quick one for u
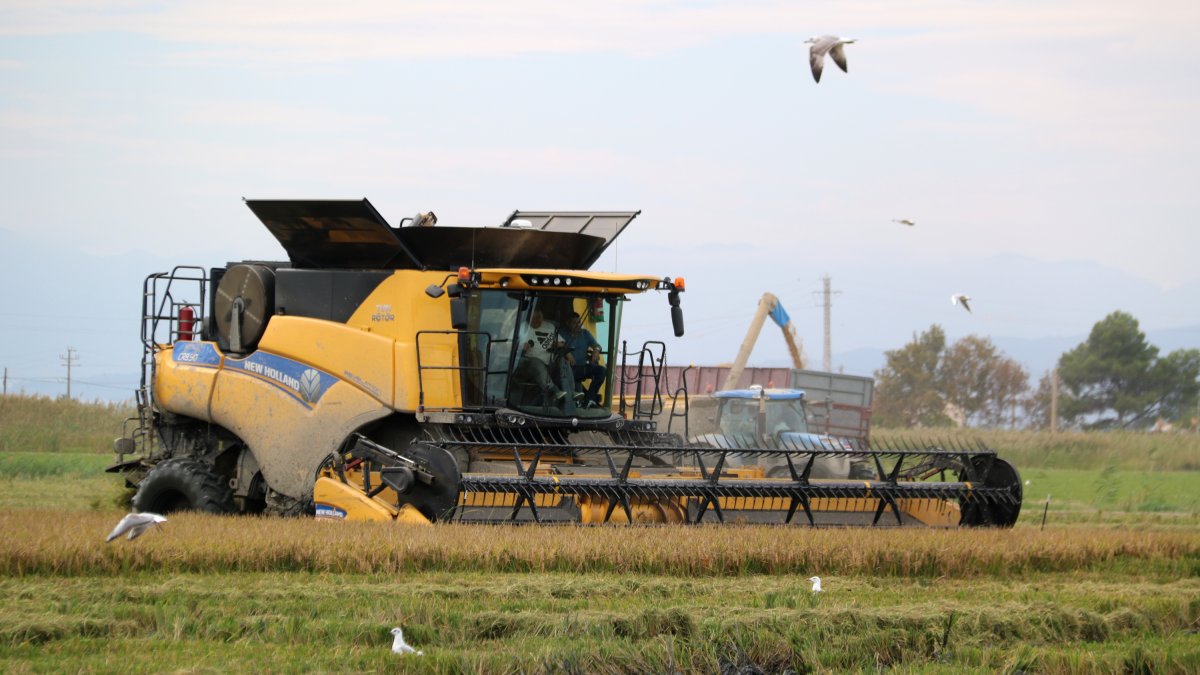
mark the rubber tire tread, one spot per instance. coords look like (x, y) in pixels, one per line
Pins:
(203, 488)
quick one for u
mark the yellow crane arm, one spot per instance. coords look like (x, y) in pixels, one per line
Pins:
(768, 305)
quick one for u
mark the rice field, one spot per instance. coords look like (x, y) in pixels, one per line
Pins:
(1111, 584)
(196, 543)
(206, 592)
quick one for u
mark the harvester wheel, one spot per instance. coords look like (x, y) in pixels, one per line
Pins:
(994, 514)
(183, 484)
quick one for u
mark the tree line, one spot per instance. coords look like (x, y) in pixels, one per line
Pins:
(1113, 379)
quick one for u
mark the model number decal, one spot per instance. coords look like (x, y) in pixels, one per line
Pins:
(383, 314)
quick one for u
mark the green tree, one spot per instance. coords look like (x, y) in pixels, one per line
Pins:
(1177, 377)
(1116, 378)
(907, 391)
(1007, 387)
(979, 380)
(1037, 404)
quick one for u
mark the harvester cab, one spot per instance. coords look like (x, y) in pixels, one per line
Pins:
(429, 373)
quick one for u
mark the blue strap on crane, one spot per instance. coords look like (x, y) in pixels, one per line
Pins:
(780, 316)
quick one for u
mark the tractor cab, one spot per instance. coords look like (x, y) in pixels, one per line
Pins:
(762, 413)
(777, 418)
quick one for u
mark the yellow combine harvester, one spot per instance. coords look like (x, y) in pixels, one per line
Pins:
(427, 373)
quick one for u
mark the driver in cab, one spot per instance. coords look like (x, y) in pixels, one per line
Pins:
(540, 344)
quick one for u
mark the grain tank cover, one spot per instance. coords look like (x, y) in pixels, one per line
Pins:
(607, 225)
(351, 234)
(333, 233)
(448, 248)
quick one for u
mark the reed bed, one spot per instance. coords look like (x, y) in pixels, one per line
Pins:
(42, 424)
(48, 543)
(1120, 450)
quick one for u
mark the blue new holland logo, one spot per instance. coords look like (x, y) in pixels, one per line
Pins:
(330, 511)
(304, 382)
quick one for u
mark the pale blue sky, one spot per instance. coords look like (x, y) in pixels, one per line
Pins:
(1045, 137)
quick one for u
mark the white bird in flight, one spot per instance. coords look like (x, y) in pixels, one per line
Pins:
(903, 221)
(826, 44)
(135, 524)
(960, 299)
(816, 582)
(399, 646)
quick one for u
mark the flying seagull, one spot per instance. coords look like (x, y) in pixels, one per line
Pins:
(826, 44)
(960, 299)
(816, 582)
(399, 646)
(135, 524)
(903, 221)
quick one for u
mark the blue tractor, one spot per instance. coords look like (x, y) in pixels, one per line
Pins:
(778, 418)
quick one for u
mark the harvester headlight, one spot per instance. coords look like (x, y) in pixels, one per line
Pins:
(567, 281)
(557, 281)
(545, 281)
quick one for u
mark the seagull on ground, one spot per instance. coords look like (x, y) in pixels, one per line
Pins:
(903, 221)
(960, 299)
(399, 646)
(816, 582)
(135, 524)
(826, 44)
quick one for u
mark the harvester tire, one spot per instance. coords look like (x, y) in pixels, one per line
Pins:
(184, 484)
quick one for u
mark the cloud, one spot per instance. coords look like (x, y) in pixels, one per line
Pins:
(313, 32)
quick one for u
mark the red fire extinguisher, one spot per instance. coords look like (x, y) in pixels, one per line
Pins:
(187, 323)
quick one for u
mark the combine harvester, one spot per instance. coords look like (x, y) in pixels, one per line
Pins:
(387, 374)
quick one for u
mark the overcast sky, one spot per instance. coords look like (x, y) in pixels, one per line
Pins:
(1059, 135)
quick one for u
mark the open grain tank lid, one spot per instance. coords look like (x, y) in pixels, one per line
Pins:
(333, 233)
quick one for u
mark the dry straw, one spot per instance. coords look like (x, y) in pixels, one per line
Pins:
(52, 543)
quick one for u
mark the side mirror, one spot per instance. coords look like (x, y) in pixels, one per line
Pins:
(676, 313)
(458, 313)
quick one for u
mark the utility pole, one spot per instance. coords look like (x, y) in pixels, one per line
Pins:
(69, 360)
(827, 360)
(6, 380)
(1054, 400)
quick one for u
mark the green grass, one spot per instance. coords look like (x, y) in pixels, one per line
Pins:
(59, 481)
(470, 622)
(45, 465)
(1165, 492)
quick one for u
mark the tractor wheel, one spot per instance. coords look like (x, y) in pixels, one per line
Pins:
(183, 484)
(999, 473)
